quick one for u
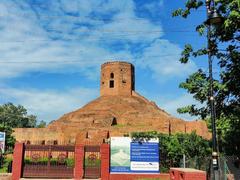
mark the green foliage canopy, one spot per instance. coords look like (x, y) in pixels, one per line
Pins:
(16, 116)
(225, 47)
(12, 116)
(173, 147)
(42, 124)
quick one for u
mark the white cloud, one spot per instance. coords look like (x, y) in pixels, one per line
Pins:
(162, 57)
(48, 104)
(27, 46)
(63, 37)
(171, 105)
(153, 7)
(3, 10)
(83, 42)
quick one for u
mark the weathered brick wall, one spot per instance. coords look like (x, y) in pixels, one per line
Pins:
(199, 126)
(123, 78)
(187, 174)
(37, 135)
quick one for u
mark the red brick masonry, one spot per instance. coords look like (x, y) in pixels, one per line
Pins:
(79, 160)
(105, 161)
(187, 174)
(17, 161)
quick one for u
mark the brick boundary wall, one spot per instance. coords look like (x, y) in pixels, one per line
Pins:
(17, 161)
(187, 174)
(105, 161)
(79, 162)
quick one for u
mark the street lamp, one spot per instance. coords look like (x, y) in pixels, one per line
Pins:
(213, 19)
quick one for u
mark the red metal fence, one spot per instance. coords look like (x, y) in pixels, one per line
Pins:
(49, 161)
(92, 162)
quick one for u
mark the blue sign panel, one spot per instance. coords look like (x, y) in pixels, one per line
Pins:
(144, 152)
(144, 157)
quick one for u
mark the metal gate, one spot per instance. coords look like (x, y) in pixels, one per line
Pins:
(48, 161)
(92, 162)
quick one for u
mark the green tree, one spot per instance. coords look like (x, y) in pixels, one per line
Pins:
(16, 116)
(229, 133)
(42, 124)
(225, 47)
(12, 116)
(195, 147)
(173, 147)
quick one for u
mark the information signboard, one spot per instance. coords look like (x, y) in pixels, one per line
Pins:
(2, 142)
(134, 156)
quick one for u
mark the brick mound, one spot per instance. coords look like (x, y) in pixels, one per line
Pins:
(118, 111)
(120, 115)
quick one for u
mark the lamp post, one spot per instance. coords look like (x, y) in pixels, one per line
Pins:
(213, 19)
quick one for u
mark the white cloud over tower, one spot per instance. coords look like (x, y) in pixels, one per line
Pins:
(63, 37)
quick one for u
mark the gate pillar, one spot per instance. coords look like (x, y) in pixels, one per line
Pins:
(79, 160)
(105, 161)
(17, 166)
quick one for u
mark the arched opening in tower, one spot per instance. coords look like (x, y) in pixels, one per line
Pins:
(114, 121)
(112, 75)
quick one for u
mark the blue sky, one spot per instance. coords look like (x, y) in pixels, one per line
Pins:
(51, 51)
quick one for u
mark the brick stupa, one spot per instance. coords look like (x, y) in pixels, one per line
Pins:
(118, 111)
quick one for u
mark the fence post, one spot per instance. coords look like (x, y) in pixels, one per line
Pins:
(225, 168)
(18, 157)
(79, 160)
(184, 161)
(105, 161)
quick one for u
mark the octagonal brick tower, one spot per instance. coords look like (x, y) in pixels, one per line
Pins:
(117, 78)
